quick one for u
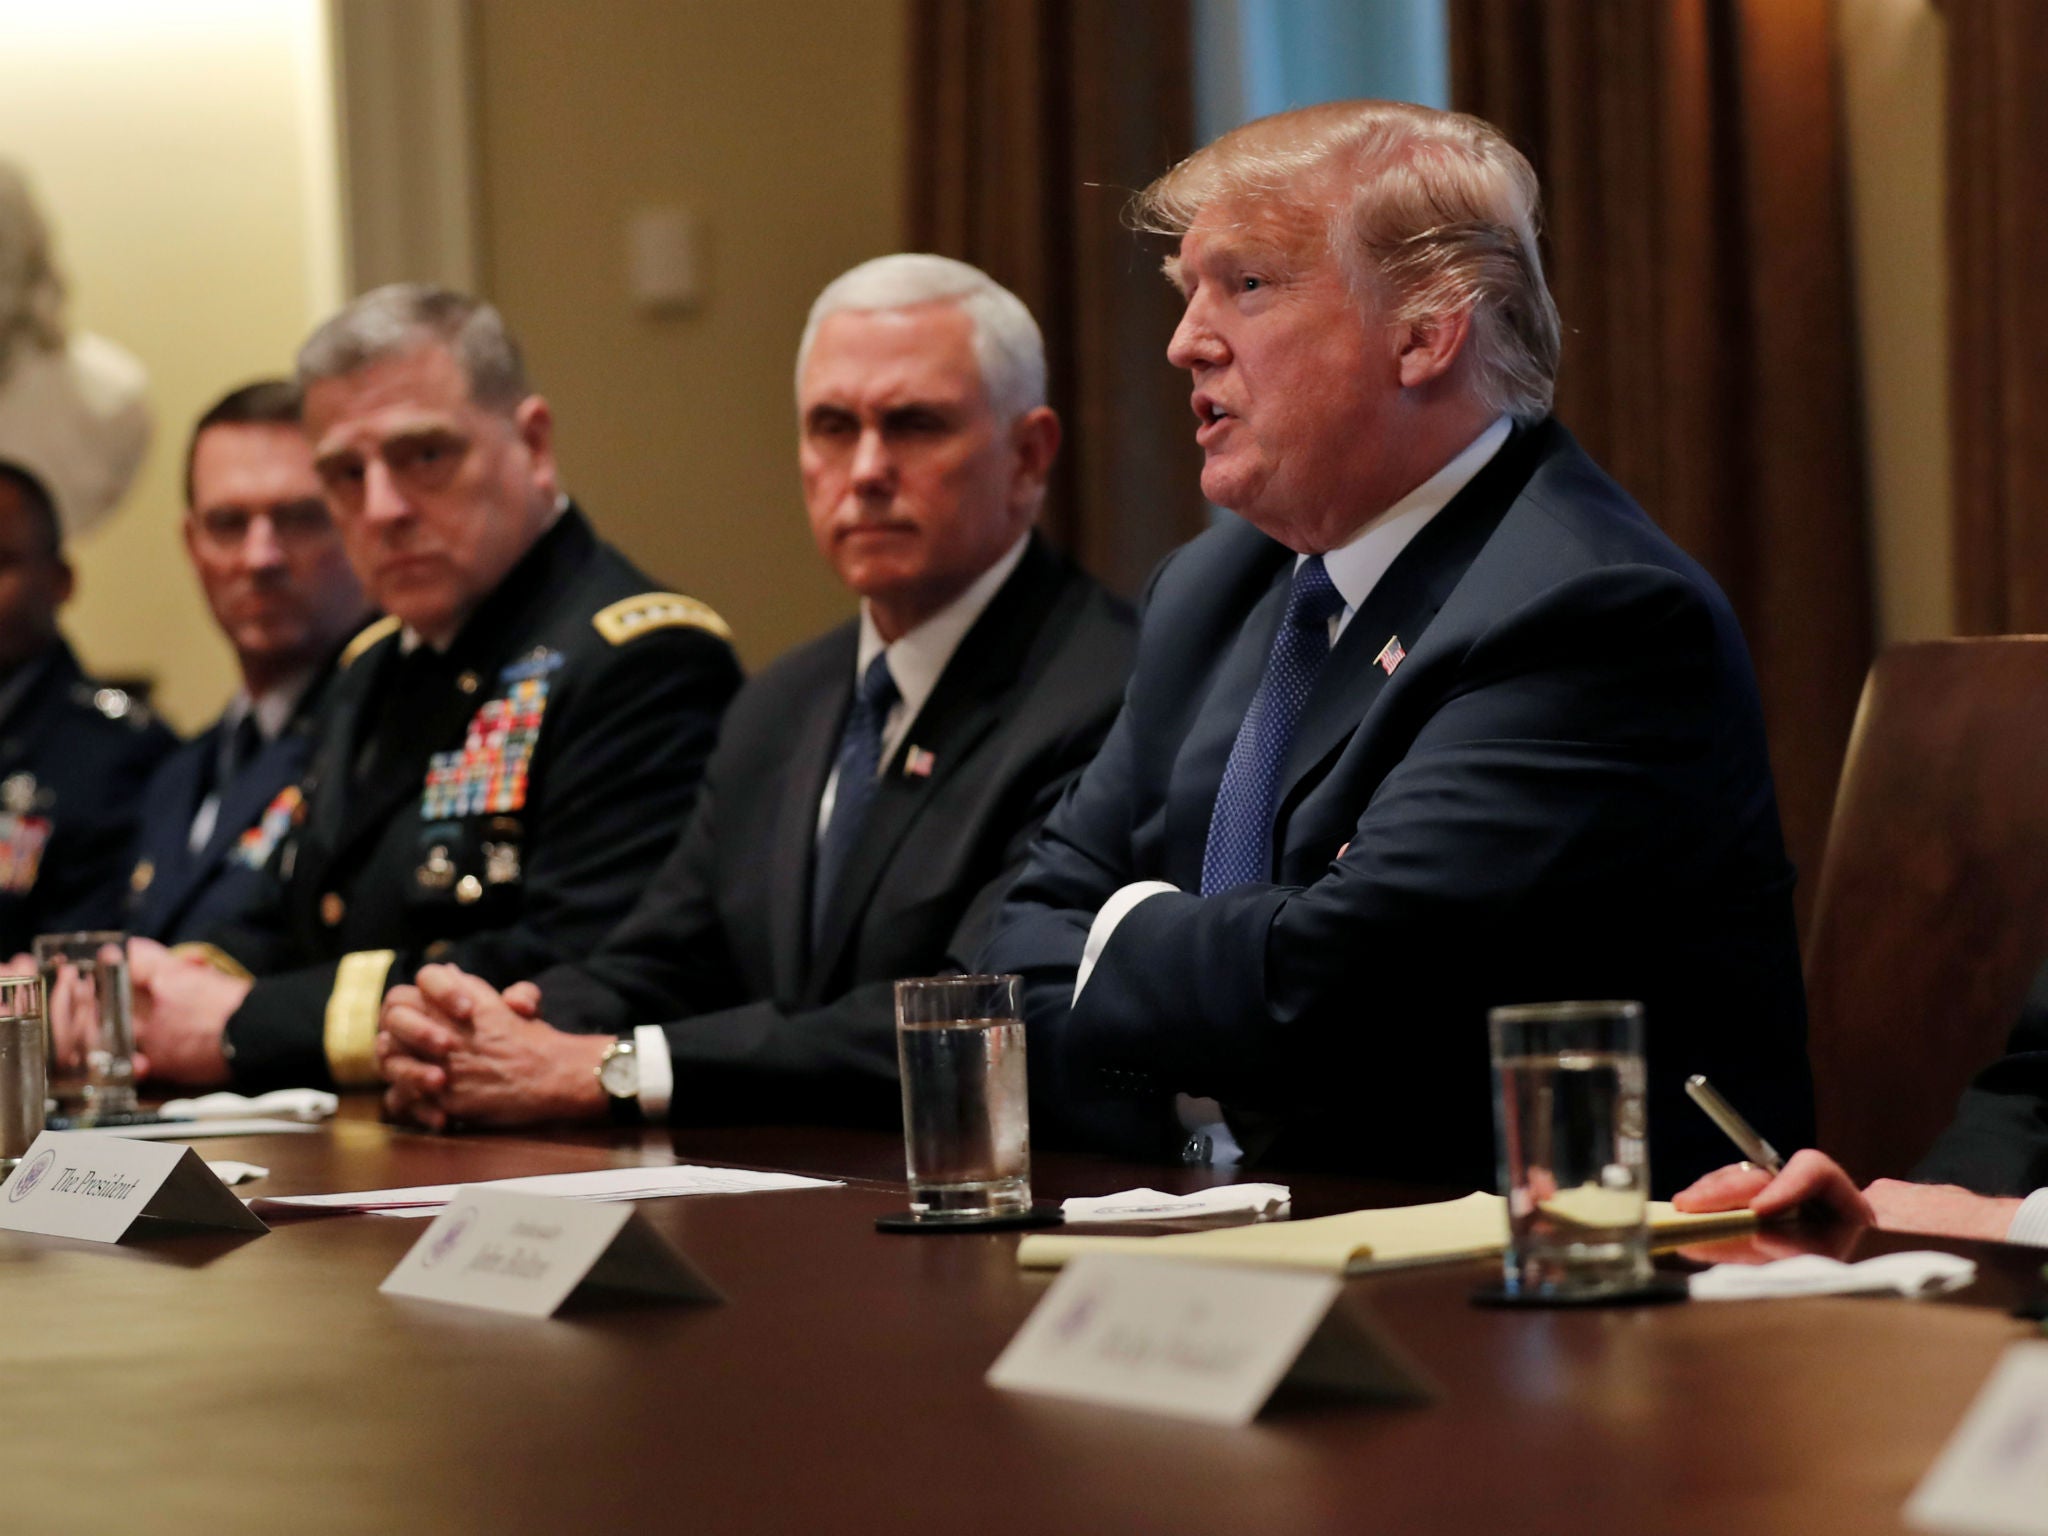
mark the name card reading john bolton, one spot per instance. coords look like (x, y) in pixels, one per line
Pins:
(76, 1184)
(524, 1254)
(1197, 1341)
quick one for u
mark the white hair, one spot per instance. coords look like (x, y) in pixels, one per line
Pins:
(1007, 343)
(31, 291)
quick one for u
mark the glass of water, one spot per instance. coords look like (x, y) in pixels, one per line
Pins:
(966, 1114)
(24, 1078)
(1572, 1130)
(92, 1027)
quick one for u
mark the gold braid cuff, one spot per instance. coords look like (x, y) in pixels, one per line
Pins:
(215, 956)
(352, 1009)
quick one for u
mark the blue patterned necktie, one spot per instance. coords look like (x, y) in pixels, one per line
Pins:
(1240, 848)
(860, 759)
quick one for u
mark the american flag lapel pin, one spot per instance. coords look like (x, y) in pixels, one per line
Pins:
(918, 763)
(1391, 655)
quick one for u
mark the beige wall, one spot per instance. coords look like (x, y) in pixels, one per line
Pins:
(183, 154)
(780, 123)
(1892, 63)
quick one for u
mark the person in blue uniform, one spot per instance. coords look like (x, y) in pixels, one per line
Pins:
(503, 761)
(74, 753)
(277, 580)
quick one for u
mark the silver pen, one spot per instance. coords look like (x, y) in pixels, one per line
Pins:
(1738, 1130)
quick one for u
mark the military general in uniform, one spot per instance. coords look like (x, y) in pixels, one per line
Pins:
(74, 754)
(505, 758)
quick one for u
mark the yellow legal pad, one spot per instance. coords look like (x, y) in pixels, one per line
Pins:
(1358, 1241)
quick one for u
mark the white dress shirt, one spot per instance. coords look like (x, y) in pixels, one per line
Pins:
(2030, 1224)
(916, 661)
(1355, 568)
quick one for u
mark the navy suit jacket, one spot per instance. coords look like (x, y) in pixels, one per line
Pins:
(1561, 791)
(761, 1024)
(1998, 1142)
(176, 894)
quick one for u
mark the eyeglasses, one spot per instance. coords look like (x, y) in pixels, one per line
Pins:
(294, 524)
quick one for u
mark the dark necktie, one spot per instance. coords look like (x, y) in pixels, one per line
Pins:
(860, 759)
(237, 750)
(1240, 847)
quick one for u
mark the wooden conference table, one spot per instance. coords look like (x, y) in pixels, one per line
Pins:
(194, 1382)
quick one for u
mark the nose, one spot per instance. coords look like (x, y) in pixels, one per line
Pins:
(261, 549)
(1195, 342)
(383, 500)
(874, 469)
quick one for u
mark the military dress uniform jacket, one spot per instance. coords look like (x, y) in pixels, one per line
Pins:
(498, 806)
(763, 1024)
(74, 757)
(176, 894)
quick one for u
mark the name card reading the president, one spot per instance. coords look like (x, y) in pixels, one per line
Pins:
(78, 1184)
(1197, 1341)
(525, 1254)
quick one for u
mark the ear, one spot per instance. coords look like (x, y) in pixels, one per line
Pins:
(534, 420)
(1034, 443)
(65, 583)
(1431, 346)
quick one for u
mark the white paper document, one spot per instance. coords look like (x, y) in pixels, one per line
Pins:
(1197, 1341)
(525, 1254)
(1264, 1201)
(1992, 1478)
(201, 1130)
(601, 1184)
(79, 1184)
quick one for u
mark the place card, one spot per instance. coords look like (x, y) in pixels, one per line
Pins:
(525, 1254)
(1991, 1475)
(1197, 1341)
(81, 1184)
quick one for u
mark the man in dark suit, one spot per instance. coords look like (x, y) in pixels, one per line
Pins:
(1443, 723)
(872, 792)
(74, 754)
(277, 579)
(503, 761)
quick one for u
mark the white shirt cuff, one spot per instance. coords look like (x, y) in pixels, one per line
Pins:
(657, 1071)
(2031, 1224)
(1114, 911)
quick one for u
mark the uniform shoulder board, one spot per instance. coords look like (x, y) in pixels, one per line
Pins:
(115, 704)
(366, 637)
(634, 616)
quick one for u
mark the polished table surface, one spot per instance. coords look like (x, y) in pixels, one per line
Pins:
(189, 1381)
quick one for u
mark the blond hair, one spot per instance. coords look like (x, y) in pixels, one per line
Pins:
(1431, 213)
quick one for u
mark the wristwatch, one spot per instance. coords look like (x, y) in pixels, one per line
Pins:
(618, 1074)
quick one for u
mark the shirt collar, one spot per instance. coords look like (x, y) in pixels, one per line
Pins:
(272, 708)
(916, 659)
(1356, 566)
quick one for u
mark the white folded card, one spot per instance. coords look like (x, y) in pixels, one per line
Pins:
(1266, 1201)
(599, 1184)
(525, 1254)
(1992, 1478)
(1197, 1341)
(79, 1184)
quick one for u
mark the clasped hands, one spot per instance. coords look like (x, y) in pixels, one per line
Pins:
(181, 1006)
(452, 1049)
